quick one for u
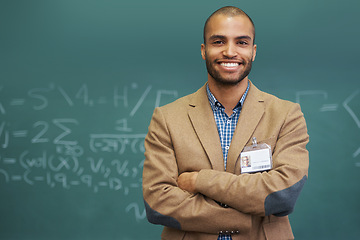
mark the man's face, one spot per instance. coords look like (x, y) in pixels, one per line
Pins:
(229, 49)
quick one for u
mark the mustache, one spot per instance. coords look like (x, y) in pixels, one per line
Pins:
(227, 59)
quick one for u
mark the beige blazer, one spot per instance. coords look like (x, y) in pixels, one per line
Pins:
(183, 137)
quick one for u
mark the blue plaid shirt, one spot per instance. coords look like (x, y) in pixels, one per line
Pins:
(226, 126)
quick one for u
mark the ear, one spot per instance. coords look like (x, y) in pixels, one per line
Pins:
(254, 52)
(203, 52)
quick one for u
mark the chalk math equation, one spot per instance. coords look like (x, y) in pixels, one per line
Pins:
(64, 148)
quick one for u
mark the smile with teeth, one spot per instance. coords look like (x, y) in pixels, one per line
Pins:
(227, 64)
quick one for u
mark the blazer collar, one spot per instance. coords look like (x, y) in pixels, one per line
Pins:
(202, 118)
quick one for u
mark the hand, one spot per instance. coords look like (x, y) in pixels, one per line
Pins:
(186, 181)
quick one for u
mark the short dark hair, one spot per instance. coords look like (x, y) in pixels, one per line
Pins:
(231, 12)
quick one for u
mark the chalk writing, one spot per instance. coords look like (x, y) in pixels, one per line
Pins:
(4, 136)
(70, 138)
(134, 206)
(354, 116)
(352, 113)
(348, 105)
(323, 94)
(58, 137)
(117, 143)
(2, 109)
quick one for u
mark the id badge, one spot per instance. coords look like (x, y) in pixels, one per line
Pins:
(256, 158)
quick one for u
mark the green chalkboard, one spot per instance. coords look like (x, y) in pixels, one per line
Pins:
(80, 79)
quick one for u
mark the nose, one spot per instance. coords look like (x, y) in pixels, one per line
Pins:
(230, 50)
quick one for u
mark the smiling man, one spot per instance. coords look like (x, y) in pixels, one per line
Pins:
(228, 161)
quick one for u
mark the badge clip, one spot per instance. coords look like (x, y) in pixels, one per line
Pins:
(254, 142)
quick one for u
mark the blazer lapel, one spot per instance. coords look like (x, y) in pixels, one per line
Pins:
(202, 119)
(251, 113)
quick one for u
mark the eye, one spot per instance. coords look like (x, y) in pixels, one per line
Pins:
(243, 43)
(218, 42)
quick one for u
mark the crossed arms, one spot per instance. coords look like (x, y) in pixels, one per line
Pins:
(186, 197)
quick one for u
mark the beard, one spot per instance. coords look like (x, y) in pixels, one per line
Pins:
(216, 75)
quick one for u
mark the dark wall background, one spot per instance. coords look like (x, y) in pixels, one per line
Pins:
(79, 81)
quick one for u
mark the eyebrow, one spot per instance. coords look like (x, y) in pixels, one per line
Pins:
(223, 37)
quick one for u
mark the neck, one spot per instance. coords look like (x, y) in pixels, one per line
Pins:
(228, 95)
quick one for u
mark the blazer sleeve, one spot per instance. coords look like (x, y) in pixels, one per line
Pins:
(271, 192)
(168, 205)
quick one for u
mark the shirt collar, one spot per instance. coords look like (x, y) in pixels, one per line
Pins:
(215, 104)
